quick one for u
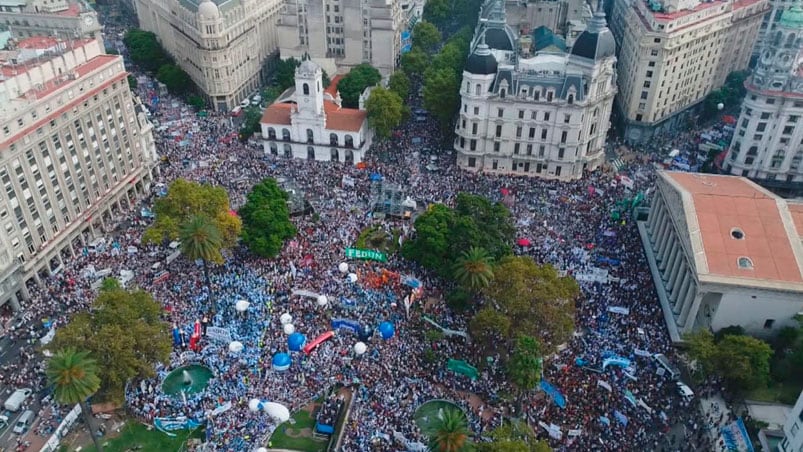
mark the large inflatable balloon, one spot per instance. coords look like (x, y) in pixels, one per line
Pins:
(289, 328)
(343, 267)
(286, 318)
(277, 411)
(242, 305)
(235, 346)
(281, 361)
(386, 330)
(296, 341)
(322, 300)
(360, 348)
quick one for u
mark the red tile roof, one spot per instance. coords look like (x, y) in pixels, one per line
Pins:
(723, 203)
(332, 88)
(278, 114)
(37, 42)
(349, 119)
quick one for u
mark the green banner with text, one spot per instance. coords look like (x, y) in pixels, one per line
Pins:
(356, 253)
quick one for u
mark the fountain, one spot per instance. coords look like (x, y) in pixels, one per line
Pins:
(187, 380)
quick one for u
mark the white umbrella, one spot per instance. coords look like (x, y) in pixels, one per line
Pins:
(286, 318)
(235, 346)
(242, 305)
(343, 267)
(360, 348)
(322, 300)
(289, 328)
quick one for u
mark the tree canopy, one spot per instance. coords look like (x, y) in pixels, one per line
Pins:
(442, 234)
(354, 83)
(449, 432)
(399, 83)
(742, 361)
(266, 219)
(524, 367)
(187, 199)
(175, 79)
(414, 62)
(426, 36)
(385, 111)
(284, 74)
(124, 333)
(441, 94)
(536, 301)
(514, 436)
(730, 95)
(145, 50)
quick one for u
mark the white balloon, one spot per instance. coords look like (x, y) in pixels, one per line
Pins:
(242, 305)
(286, 318)
(720, 106)
(322, 300)
(235, 346)
(277, 411)
(353, 277)
(253, 405)
(343, 267)
(360, 348)
(289, 328)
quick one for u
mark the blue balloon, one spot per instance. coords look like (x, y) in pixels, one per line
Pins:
(281, 361)
(387, 330)
(296, 341)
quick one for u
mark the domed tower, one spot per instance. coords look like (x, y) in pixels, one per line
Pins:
(781, 54)
(208, 18)
(479, 72)
(597, 41)
(309, 88)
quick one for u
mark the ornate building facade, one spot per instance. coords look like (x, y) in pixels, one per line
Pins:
(223, 44)
(544, 116)
(767, 145)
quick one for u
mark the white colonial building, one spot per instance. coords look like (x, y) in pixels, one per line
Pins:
(545, 116)
(793, 437)
(724, 251)
(308, 122)
(768, 143)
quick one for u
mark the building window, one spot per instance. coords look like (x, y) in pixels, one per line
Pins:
(498, 131)
(745, 263)
(472, 162)
(516, 148)
(496, 147)
(495, 164)
(306, 89)
(500, 112)
(768, 325)
(737, 233)
(557, 171)
(477, 90)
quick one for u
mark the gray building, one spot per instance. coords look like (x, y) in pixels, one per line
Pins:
(55, 18)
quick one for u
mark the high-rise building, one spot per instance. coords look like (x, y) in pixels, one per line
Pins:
(672, 53)
(74, 151)
(340, 34)
(771, 19)
(793, 437)
(767, 145)
(544, 116)
(223, 44)
(65, 19)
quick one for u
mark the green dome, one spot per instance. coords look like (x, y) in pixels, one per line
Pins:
(793, 17)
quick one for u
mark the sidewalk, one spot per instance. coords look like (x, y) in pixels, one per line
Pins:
(717, 408)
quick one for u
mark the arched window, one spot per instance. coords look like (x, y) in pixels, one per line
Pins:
(285, 135)
(468, 87)
(274, 149)
(306, 89)
(349, 141)
(349, 156)
(310, 136)
(310, 153)
(271, 133)
(333, 139)
(502, 93)
(478, 89)
(778, 38)
(790, 40)
(288, 151)
(334, 155)
(570, 99)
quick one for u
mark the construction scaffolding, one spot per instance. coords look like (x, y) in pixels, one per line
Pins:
(390, 199)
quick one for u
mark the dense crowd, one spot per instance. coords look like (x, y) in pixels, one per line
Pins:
(569, 225)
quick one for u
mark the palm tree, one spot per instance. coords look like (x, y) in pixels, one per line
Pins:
(74, 377)
(201, 239)
(448, 432)
(474, 269)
